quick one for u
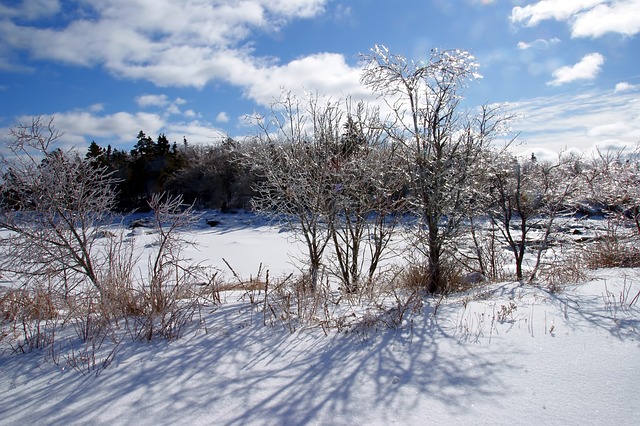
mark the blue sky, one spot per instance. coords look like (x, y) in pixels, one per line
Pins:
(107, 69)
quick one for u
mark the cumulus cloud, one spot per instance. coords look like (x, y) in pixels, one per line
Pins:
(152, 100)
(623, 86)
(587, 69)
(587, 18)
(96, 107)
(222, 117)
(560, 10)
(78, 126)
(195, 132)
(186, 43)
(171, 107)
(621, 17)
(32, 9)
(326, 73)
(120, 129)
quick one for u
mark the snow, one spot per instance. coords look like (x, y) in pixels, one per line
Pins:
(502, 353)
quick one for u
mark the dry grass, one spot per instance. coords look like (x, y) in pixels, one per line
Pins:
(612, 251)
(23, 304)
(570, 270)
(248, 285)
(416, 276)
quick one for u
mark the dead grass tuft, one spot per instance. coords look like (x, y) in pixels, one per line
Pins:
(612, 252)
(23, 304)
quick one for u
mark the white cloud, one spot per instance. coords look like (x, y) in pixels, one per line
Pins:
(326, 73)
(299, 8)
(31, 9)
(195, 132)
(6, 64)
(80, 126)
(173, 109)
(222, 117)
(96, 107)
(161, 101)
(342, 13)
(587, 18)
(560, 10)
(587, 69)
(621, 17)
(152, 100)
(538, 44)
(578, 121)
(120, 129)
(168, 42)
(623, 86)
(188, 43)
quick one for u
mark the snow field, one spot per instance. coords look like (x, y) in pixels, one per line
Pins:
(502, 353)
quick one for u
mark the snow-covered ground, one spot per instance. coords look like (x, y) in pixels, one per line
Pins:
(502, 353)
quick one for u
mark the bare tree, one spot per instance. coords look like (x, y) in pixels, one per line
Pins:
(613, 180)
(169, 287)
(528, 195)
(368, 197)
(55, 205)
(441, 144)
(325, 167)
(292, 162)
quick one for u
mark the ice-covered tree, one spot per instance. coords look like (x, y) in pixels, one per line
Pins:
(55, 205)
(526, 195)
(440, 142)
(292, 163)
(613, 180)
(321, 167)
(368, 199)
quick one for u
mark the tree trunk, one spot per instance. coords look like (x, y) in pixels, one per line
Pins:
(435, 273)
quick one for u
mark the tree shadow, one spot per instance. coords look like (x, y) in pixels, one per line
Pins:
(611, 310)
(236, 371)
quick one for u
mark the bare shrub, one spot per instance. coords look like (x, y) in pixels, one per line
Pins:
(29, 317)
(569, 271)
(608, 253)
(169, 290)
(526, 199)
(328, 170)
(404, 303)
(290, 301)
(120, 296)
(414, 276)
(614, 249)
(487, 255)
(454, 278)
(613, 180)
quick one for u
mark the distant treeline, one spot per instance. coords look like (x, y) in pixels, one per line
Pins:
(209, 177)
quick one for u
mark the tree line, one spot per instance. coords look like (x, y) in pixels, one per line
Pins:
(207, 177)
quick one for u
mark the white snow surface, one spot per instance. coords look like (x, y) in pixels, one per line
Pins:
(502, 353)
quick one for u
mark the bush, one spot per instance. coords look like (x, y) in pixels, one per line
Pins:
(610, 252)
